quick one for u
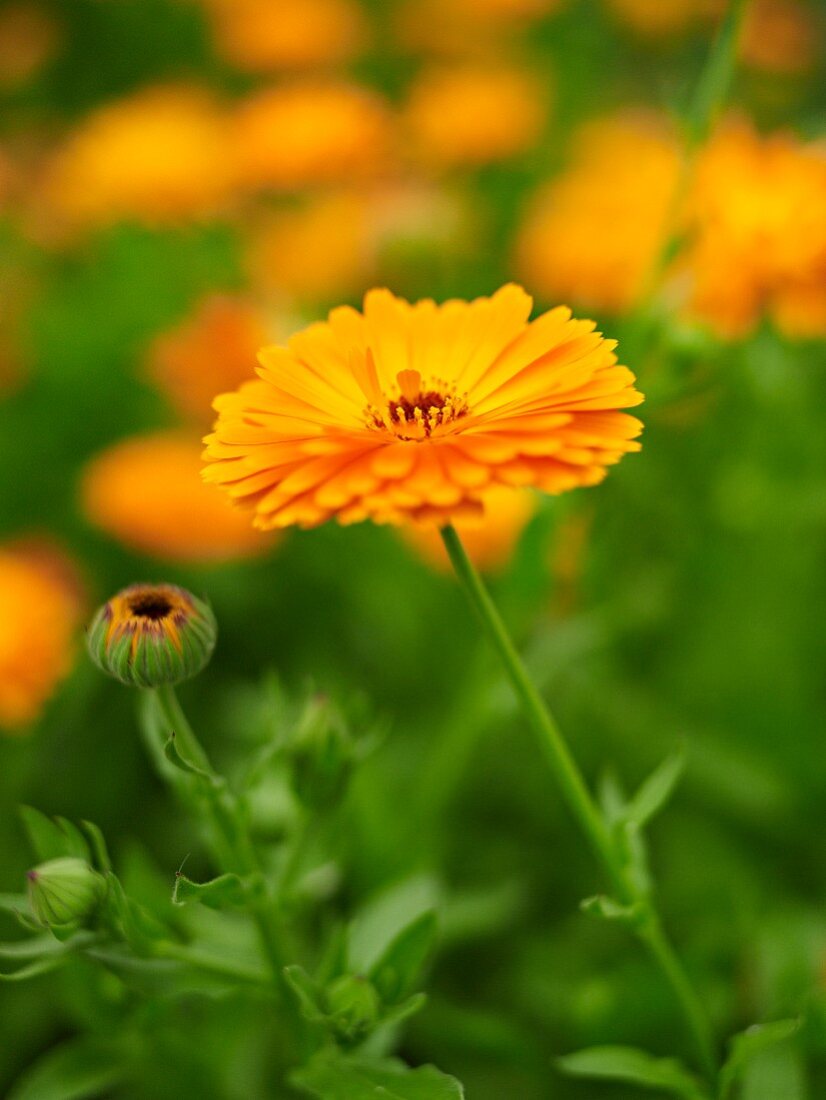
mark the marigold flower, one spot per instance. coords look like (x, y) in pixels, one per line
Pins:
(758, 240)
(147, 493)
(29, 38)
(309, 133)
(208, 351)
(260, 36)
(160, 154)
(489, 541)
(152, 634)
(40, 607)
(474, 115)
(594, 233)
(411, 412)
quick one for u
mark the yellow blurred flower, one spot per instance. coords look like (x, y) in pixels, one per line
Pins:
(311, 132)
(411, 412)
(147, 492)
(490, 540)
(29, 39)
(664, 18)
(158, 155)
(470, 115)
(313, 252)
(758, 233)
(262, 36)
(212, 349)
(781, 36)
(40, 610)
(594, 233)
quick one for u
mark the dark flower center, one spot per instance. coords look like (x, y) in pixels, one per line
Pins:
(150, 605)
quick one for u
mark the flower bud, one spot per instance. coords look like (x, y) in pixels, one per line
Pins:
(321, 753)
(152, 634)
(64, 891)
(353, 1006)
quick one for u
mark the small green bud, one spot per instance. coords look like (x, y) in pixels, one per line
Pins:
(321, 753)
(64, 891)
(152, 634)
(353, 1006)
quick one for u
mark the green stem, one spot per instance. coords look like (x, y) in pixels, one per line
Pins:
(579, 800)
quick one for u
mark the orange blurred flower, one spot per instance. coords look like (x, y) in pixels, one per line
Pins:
(781, 36)
(29, 39)
(262, 36)
(158, 155)
(461, 28)
(593, 234)
(471, 115)
(316, 251)
(40, 611)
(212, 349)
(490, 541)
(758, 242)
(147, 493)
(664, 18)
(412, 412)
(309, 133)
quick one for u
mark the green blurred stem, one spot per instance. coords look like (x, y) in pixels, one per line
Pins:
(580, 802)
(227, 818)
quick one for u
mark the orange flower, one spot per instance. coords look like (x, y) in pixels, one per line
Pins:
(780, 36)
(29, 38)
(262, 36)
(593, 234)
(473, 115)
(40, 608)
(147, 493)
(664, 18)
(411, 412)
(288, 137)
(212, 349)
(160, 155)
(758, 242)
(490, 541)
(465, 27)
(316, 251)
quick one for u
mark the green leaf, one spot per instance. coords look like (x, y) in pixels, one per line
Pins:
(776, 1072)
(656, 790)
(223, 892)
(334, 1076)
(100, 852)
(746, 1046)
(14, 904)
(47, 839)
(170, 751)
(635, 1067)
(36, 968)
(397, 970)
(74, 1071)
(307, 992)
(78, 845)
(36, 947)
(385, 915)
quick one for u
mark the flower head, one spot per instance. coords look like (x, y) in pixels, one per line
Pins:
(411, 412)
(64, 891)
(152, 634)
(146, 491)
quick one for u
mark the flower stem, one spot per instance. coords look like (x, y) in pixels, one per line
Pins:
(580, 801)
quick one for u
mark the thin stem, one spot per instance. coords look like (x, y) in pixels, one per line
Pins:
(580, 802)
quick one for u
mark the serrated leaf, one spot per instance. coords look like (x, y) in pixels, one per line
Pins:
(224, 892)
(399, 967)
(47, 839)
(73, 1071)
(634, 1067)
(334, 1076)
(656, 790)
(749, 1044)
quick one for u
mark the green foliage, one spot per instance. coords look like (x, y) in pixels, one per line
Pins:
(339, 1077)
(636, 1068)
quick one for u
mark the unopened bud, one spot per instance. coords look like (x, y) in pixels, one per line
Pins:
(321, 753)
(152, 634)
(353, 1005)
(64, 891)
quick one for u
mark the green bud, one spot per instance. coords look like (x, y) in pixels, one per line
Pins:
(321, 753)
(353, 1006)
(64, 891)
(152, 634)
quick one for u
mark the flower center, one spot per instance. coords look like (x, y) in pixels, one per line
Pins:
(419, 411)
(150, 605)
